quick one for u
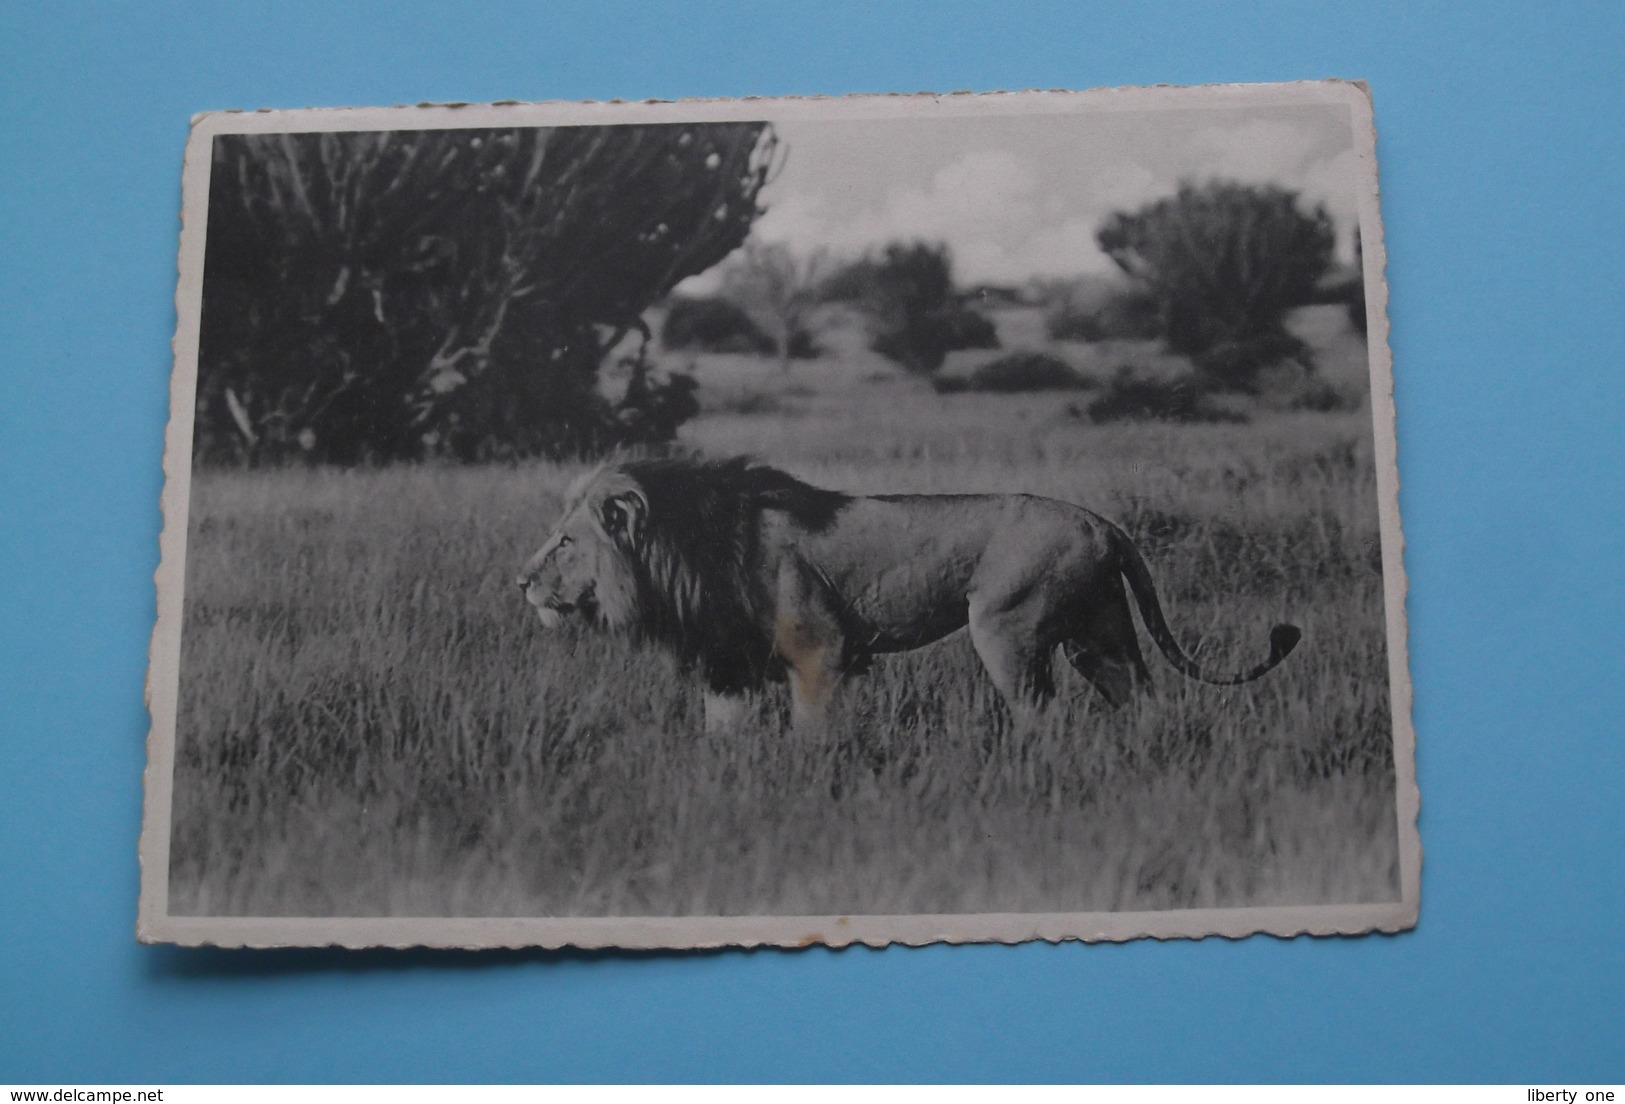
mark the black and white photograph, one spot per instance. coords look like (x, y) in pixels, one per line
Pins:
(787, 522)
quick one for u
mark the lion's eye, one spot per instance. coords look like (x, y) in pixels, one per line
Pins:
(564, 542)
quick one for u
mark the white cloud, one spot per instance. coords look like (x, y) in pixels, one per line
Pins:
(1001, 218)
(981, 204)
(1257, 151)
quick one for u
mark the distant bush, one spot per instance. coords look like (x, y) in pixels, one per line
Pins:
(745, 402)
(916, 316)
(713, 325)
(1183, 399)
(921, 345)
(1100, 310)
(1025, 370)
(803, 346)
(852, 282)
(1293, 387)
(969, 329)
(1237, 365)
(1225, 262)
(1317, 393)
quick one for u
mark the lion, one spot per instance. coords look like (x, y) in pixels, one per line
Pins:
(752, 576)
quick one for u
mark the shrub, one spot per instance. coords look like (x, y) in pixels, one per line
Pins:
(970, 329)
(1317, 393)
(917, 319)
(1183, 399)
(803, 346)
(713, 325)
(1224, 262)
(1025, 370)
(1236, 365)
(744, 402)
(1292, 387)
(853, 282)
(922, 344)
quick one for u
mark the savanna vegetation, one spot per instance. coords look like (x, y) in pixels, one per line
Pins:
(373, 723)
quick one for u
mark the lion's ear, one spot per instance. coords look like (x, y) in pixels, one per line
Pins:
(622, 515)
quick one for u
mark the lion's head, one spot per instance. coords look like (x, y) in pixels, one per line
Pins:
(585, 568)
(670, 549)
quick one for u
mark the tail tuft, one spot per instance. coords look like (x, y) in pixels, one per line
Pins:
(1283, 638)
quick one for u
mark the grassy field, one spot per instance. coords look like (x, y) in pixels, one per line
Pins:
(371, 723)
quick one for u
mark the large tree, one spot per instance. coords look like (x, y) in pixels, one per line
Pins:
(392, 294)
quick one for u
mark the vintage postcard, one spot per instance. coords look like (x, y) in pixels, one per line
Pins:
(880, 519)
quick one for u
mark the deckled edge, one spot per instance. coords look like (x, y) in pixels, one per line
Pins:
(169, 580)
(459, 114)
(154, 925)
(638, 933)
(1396, 582)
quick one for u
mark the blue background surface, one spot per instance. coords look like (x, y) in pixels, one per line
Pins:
(1501, 156)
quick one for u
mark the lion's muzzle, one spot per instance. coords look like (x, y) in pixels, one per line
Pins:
(551, 606)
(546, 606)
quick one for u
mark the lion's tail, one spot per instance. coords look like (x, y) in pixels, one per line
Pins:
(1283, 638)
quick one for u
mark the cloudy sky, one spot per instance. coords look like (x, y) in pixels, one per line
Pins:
(1021, 196)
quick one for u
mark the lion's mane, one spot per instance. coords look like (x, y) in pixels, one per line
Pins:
(696, 562)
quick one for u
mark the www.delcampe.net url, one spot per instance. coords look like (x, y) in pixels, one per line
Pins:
(90, 1096)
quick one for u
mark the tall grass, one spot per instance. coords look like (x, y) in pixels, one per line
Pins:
(372, 724)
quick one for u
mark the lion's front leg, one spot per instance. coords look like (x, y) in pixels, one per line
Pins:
(812, 691)
(812, 659)
(807, 637)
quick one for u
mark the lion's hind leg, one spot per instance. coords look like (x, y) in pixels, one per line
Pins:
(1107, 653)
(1017, 660)
(1118, 678)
